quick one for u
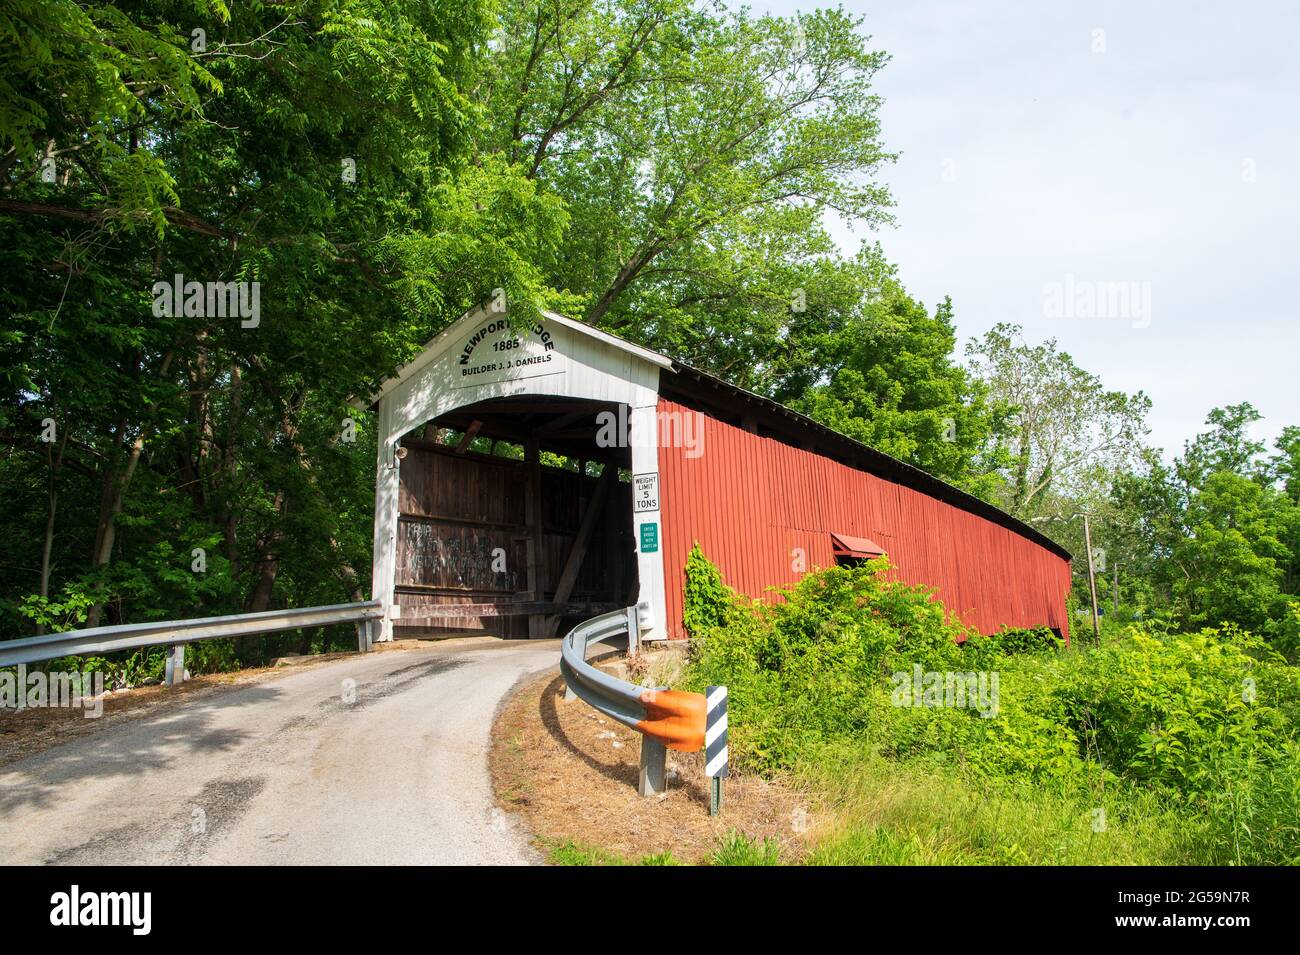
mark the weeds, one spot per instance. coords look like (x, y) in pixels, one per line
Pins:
(1158, 748)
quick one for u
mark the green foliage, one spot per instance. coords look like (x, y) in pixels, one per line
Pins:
(719, 140)
(66, 612)
(1225, 448)
(1065, 434)
(1217, 534)
(73, 73)
(120, 670)
(739, 849)
(1183, 711)
(570, 853)
(891, 383)
(1286, 632)
(1206, 720)
(224, 160)
(891, 813)
(706, 598)
(1023, 640)
(1254, 815)
(658, 858)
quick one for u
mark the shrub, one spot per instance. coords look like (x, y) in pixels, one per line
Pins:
(1204, 721)
(706, 598)
(1186, 711)
(1024, 640)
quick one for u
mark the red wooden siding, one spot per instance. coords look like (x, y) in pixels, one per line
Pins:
(750, 500)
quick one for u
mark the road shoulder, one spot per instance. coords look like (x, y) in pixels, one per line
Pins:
(570, 773)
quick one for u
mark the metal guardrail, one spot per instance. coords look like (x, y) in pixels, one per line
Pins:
(666, 719)
(177, 633)
(613, 697)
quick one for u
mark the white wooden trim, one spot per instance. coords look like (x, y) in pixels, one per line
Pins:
(442, 341)
(663, 361)
(590, 365)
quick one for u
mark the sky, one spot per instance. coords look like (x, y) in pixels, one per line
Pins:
(1143, 155)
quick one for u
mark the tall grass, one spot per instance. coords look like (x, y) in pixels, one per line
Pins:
(883, 812)
(1157, 748)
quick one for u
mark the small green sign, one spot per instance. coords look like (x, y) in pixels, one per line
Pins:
(649, 538)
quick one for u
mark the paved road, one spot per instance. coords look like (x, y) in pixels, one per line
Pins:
(286, 771)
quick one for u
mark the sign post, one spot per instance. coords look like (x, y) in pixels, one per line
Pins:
(715, 744)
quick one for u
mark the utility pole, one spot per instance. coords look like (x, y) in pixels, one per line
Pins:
(1116, 586)
(1092, 581)
(1092, 573)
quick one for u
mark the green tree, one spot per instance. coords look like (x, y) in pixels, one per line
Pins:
(890, 382)
(697, 150)
(1226, 446)
(1285, 465)
(1231, 559)
(322, 150)
(1066, 435)
(1217, 530)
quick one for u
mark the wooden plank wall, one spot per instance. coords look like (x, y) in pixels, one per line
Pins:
(455, 509)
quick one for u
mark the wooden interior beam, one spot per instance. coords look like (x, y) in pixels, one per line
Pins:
(537, 535)
(497, 427)
(617, 457)
(571, 434)
(424, 616)
(512, 407)
(578, 550)
(563, 421)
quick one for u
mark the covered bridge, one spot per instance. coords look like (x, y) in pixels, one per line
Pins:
(603, 462)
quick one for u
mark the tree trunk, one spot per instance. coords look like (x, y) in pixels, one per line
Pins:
(266, 561)
(114, 493)
(1021, 482)
(231, 464)
(56, 462)
(195, 444)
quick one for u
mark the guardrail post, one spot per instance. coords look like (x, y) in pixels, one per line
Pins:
(365, 639)
(633, 634)
(654, 756)
(174, 669)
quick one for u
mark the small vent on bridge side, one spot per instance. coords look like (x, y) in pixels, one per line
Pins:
(850, 551)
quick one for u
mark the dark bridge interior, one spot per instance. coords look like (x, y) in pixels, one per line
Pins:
(513, 520)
